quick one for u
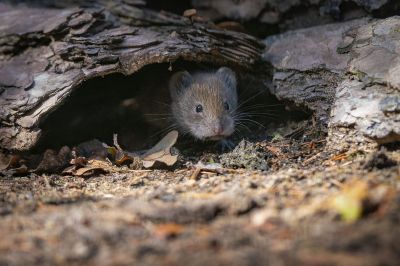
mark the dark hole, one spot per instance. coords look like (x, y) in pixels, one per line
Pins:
(103, 106)
(174, 6)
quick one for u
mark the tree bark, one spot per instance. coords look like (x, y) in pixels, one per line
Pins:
(47, 52)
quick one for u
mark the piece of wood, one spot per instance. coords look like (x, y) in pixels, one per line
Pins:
(46, 53)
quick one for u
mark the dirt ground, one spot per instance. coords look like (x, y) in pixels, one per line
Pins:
(285, 200)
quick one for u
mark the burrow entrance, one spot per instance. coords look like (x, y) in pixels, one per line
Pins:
(131, 105)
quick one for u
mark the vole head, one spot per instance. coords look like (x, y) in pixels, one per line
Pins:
(204, 104)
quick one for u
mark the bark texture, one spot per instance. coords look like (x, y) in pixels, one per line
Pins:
(47, 52)
(295, 14)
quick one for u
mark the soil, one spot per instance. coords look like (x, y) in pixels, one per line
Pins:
(283, 199)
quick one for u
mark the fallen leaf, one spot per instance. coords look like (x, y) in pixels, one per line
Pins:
(9, 162)
(22, 170)
(123, 159)
(90, 170)
(99, 163)
(53, 162)
(161, 152)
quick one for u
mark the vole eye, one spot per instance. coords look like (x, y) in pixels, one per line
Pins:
(226, 106)
(199, 108)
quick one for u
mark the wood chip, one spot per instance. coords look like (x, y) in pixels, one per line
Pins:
(189, 13)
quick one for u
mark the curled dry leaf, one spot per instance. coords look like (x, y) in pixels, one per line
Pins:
(16, 171)
(161, 152)
(123, 159)
(53, 162)
(9, 162)
(22, 170)
(90, 168)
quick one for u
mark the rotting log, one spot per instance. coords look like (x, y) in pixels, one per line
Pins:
(46, 53)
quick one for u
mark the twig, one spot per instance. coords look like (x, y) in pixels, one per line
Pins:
(196, 173)
(115, 141)
(312, 158)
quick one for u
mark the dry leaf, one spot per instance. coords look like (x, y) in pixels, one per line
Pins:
(89, 170)
(53, 162)
(99, 163)
(22, 170)
(161, 152)
(9, 162)
(123, 159)
(92, 167)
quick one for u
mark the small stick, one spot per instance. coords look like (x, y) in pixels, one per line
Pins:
(312, 158)
(196, 173)
(115, 141)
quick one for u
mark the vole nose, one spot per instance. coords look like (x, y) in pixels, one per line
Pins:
(218, 129)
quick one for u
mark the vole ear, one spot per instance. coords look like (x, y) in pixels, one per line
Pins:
(179, 82)
(228, 76)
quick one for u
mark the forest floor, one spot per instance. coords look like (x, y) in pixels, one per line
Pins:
(285, 201)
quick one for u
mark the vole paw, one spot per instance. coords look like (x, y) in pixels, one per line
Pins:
(225, 145)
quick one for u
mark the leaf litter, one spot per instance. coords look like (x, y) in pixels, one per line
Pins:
(308, 201)
(94, 157)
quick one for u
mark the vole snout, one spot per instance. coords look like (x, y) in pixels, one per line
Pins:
(223, 128)
(204, 104)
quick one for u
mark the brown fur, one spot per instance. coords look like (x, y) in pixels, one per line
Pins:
(210, 90)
